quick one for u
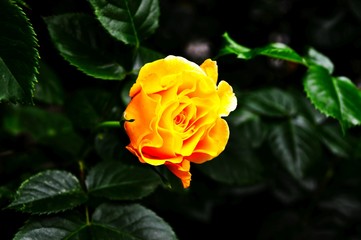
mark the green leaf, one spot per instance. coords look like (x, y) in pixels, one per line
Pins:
(70, 226)
(109, 221)
(279, 51)
(48, 192)
(316, 58)
(88, 107)
(231, 47)
(109, 145)
(125, 92)
(115, 180)
(129, 222)
(271, 102)
(145, 55)
(18, 55)
(274, 50)
(48, 128)
(49, 89)
(128, 21)
(336, 97)
(332, 138)
(5, 193)
(239, 162)
(296, 144)
(82, 41)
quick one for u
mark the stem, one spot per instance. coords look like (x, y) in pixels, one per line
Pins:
(87, 216)
(81, 171)
(109, 124)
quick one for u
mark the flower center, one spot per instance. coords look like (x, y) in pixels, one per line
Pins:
(180, 118)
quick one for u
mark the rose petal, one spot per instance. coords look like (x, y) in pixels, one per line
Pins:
(140, 124)
(212, 144)
(227, 97)
(181, 170)
(211, 69)
(150, 77)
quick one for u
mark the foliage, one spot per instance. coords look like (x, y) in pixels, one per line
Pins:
(291, 166)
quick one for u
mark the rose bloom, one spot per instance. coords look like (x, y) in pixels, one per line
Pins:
(176, 112)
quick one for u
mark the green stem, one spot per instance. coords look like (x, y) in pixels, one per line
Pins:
(109, 124)
(87, 216)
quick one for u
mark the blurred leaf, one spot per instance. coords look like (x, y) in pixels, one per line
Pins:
(49, 88)
(335, 141)
(5, 194)
(110, 143)
(128, 21)
(274, 50)
(82, 41)
(125, 92)
(355, 6)
(337, 97)
(239, 163)
(88, 107)
(170, 181)
(145, 55)
(346, 205)
(252, 131)
(296, 145)
(115, 180)
(49, 128)
(109, 221)
(271, 102)
(48, 192)
(334, 29)
(18, 55)
(241, 115)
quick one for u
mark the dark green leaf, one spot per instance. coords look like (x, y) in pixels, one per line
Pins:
(49, 128)
(49, 88)
(88, 107)
(335, 141)
(128, 21)
(115, 180)
(145, 55)
(18, 55)
(109, 221)
(274, 50)
(129, 222)
(296, 145)
(125, 92)
(48, 192)
(70, 226)
(239, 163)
(355, 6)
(82, 41)
(5, 193)
(337, 97)
(271, 103)
(110, 145)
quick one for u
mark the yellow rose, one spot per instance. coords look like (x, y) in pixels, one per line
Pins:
(176, 110)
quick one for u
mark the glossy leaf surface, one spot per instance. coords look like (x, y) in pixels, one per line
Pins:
(128, 21)
(49, 191)
(19, 55)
